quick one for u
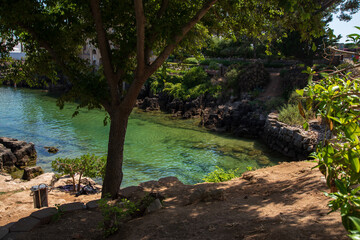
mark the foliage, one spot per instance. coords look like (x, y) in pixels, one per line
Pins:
(290, 115)
(191, 60)
(59, 213)
(242, 47)
(114, 214)
(338, 102)
(214, 65)
(245, 78)
(195, 82)
(220, 175)
(87, 165)
(194, 77)
(291, 45)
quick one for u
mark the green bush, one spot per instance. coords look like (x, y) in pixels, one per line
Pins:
(177, 90)
(114, 214)
(191, 60)
(195, 76)
(220, 175)
(87, 166)
(290, 115)
(214, 65)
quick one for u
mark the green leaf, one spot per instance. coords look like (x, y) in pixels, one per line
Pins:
(354, 160)
(313, 47)
(341, 186)
(306, 126)
(300, 92)
(356, 222)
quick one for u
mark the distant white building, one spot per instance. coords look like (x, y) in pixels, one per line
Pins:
(18, 52)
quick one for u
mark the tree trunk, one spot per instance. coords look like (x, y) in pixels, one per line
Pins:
(113, 173)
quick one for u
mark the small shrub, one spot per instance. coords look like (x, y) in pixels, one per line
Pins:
(114, 214)
(56, 217)
(191, 60)
(290, 115)
(87, 165)
(176, 90)
(195, 76)
(214, 65)
(220, 175)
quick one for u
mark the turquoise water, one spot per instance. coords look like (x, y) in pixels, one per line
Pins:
(155, 146)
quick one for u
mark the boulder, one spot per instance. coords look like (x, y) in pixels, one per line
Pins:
(32, 172)
(154, 206)
(7, 158)
(16, 153)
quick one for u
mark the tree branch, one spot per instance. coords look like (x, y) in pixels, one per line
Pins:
(345, 69)
(342, 51)
(105, 51)
(326, 5)
(138, 82)
(164, 5)
(154, 34)
(140, 43)
(184, 30)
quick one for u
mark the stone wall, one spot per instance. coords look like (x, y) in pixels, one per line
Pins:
(241, 119)
(16, 154)
(291, 141)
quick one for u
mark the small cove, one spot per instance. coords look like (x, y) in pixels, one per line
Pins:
(155, 146)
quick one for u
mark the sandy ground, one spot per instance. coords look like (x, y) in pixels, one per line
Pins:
(16, 202)
(280, 202)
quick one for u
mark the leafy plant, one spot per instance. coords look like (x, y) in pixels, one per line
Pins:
(114, 214)
(214, 65)
(220, 175)
(337, 98)
(56, 217)
(290, 114)
(191, 60)
(87, 165)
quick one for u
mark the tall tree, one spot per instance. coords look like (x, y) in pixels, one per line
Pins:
(127, 33)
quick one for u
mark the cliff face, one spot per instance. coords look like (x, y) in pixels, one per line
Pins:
(16, 154)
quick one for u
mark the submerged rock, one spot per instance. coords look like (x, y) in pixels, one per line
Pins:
(52, 149)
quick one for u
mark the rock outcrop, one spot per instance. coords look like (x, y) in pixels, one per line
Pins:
(32, 172)
(241, 118)
(16, 154)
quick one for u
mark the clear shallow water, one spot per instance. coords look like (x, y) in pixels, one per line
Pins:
(155, 146)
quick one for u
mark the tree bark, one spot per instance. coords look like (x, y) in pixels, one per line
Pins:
(114, 174)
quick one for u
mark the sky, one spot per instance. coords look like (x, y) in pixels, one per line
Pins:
(345, 28)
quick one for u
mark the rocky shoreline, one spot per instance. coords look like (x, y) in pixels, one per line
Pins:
(241, 119)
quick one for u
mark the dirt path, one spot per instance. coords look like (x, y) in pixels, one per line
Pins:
(274, 87)
(280, 202)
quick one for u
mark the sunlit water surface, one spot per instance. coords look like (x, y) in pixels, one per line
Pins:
(155, 146)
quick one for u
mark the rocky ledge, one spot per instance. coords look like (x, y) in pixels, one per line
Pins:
(15, 154)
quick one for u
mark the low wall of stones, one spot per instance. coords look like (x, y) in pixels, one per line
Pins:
(293, 142)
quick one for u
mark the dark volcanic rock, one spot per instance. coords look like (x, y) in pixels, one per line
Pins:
(15, 153)
(32, 172)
